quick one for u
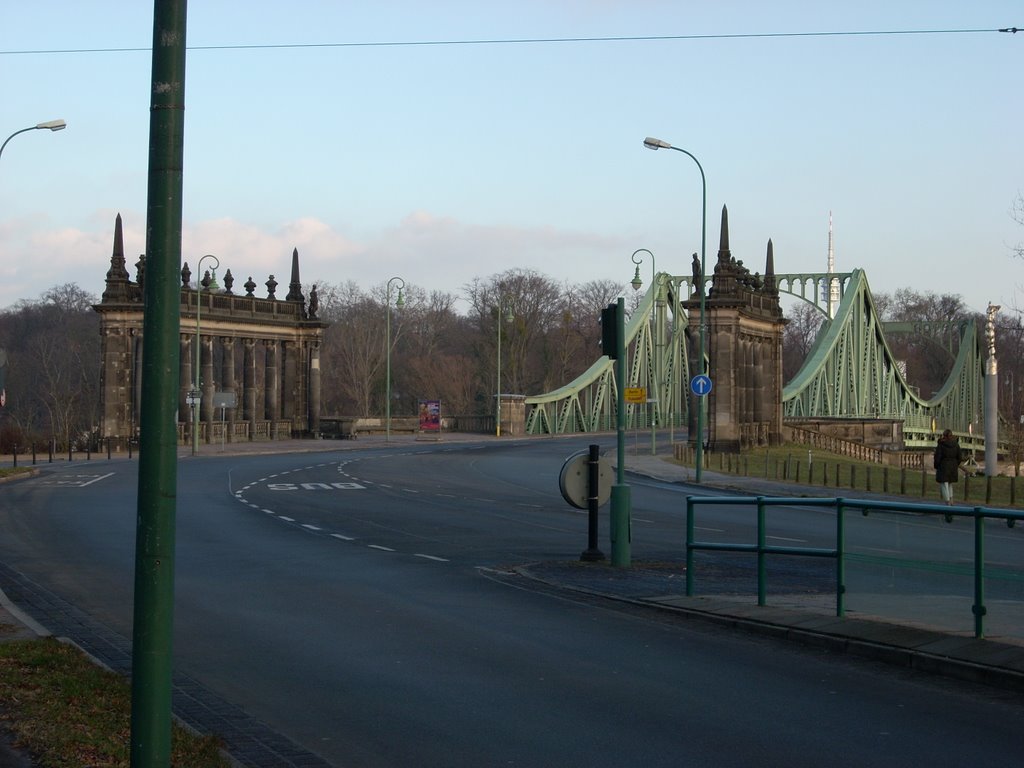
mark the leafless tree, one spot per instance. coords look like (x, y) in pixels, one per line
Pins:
(798, 337)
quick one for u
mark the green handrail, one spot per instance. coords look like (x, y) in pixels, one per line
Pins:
(838, 553)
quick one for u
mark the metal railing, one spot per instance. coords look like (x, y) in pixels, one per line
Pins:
(839, 552)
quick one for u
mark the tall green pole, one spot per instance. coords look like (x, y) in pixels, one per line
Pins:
(157, 496)
(656, 144)
(621, 500)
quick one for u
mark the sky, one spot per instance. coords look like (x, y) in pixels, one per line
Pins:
(450, 156)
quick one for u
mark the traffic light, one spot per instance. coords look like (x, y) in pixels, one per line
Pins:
(611, 323)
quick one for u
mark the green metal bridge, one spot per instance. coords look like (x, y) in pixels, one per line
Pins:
(849, 373)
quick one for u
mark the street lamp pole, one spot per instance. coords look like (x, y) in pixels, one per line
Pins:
(506, 318)
(49, 125)
(637, 283)
(197, 396)
(659, 144)
(399, 302)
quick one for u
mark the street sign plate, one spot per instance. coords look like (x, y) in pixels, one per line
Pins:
(701, 385)
(636, 395)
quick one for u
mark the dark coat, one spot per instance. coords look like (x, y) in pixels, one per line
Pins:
(947, 460)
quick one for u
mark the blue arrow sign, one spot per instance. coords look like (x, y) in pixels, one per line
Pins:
(700, 385)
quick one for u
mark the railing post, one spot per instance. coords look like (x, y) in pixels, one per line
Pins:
(978, 608)
(689, 546)
(761, 543)
(840, 559)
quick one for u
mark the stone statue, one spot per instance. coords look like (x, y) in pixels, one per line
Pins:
(314, 303)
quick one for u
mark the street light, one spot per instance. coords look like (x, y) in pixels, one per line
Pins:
(637, 283)
(399, 302)
(508, 319)
(50, 125)
(197, 395)
(659, 144)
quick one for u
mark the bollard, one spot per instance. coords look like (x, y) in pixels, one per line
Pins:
(50, 447)
(988, 489)
(15, 450)
(33, 453)
(593, 553)
(108, 449)
(70, 449)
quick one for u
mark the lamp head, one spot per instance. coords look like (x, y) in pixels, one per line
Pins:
(656, 143)
(53, 125)
(400, 301)
(636, 282)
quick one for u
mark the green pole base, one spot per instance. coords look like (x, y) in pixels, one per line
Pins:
(620, 527)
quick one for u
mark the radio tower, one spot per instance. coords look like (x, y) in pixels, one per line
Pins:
(831, 287)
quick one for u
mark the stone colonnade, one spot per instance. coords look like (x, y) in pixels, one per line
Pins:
(259, 358)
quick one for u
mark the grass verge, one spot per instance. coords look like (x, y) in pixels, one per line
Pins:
(64, 710)
(795, 463)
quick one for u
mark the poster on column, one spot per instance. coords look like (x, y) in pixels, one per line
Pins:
(430, 417)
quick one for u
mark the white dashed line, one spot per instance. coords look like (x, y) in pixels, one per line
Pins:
(378, 546)
(289, 519)
(310, 527)
(343, 538)
(432, 557)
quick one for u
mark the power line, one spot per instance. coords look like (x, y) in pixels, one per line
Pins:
(526, 41)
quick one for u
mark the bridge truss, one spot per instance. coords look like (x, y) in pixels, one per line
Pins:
(849, 373)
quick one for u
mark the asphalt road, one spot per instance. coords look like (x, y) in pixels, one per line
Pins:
(362, 604)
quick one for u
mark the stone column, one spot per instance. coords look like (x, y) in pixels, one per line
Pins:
(249, 384)
(272, 392)
(314, 388)
(208, 385)
(227, 381)
(185, 381)
(136, 405)
(290, 364)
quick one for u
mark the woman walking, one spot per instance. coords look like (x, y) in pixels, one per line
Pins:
(947, 464)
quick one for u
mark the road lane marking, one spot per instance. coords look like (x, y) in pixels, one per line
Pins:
(785, 538)
(432, 557)
(343, 538)
(289, 519)
(378, 546)
(310, 527)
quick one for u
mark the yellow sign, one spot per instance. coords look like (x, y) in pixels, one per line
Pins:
(636, 394)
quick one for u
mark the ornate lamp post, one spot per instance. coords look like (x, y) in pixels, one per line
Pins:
(637, 283)
(502, 318)
(197, 395)
(659, 144)
(399, 303)
(49, 125)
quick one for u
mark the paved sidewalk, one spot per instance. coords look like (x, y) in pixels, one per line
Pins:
(807, 618)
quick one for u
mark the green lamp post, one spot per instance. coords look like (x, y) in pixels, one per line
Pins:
(659, 144)
(49, 125)
(399, 303)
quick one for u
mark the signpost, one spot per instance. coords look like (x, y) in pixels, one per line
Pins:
(701, 386)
